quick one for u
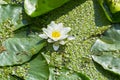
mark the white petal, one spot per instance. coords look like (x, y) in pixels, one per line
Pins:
(50, 27)
(50, 40)
(55, 26)
(47, 32)
(59, 26)
(52, 24)
(55, 47)
(55, 39)
(62, 42)
(63, 37)
(71, 37)
(67, 29)
(44, 36)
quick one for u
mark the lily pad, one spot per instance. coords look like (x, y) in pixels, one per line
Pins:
(108, 62)
(38, 7)
(66, 74)
(13, 14)
(110, 41)
(17, 50)
(38, 69)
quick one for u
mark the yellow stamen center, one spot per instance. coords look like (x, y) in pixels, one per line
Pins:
(56, 34)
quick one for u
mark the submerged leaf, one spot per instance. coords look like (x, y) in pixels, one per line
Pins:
(108, 62)
(110, 41)
(38, 69)
(38, 7)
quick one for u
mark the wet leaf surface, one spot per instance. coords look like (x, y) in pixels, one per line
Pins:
(13, 15)
(110, 41)
(37, 7)
(108, 62)
(38, 69)
(17, 50)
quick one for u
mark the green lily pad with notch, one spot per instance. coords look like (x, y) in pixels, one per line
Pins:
(14, 15)
(20, 48)
(38, 7)
(109, 41)
(111, 9)
(38, 69)
(108, 62)
(66, 74)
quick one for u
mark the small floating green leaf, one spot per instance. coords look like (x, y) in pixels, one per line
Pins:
(108, 62)
(38, 7)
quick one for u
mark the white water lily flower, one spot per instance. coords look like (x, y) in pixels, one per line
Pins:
(56, 33)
